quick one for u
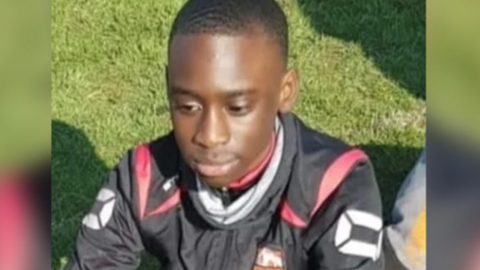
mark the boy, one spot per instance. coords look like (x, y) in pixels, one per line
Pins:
(240, 183)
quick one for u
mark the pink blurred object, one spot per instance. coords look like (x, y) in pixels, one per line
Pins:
(15, 222)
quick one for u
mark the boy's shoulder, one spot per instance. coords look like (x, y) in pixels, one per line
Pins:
(147, 174)
(321, 151)
(162, 152)
(160, 156)
(317, 140)
(323, 164)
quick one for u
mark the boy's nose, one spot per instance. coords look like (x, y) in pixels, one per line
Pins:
(212, 130)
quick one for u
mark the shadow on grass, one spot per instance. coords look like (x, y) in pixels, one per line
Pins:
(78, 174)
(391, 32)
(392, 165)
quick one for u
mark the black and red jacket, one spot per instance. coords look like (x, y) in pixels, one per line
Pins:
(316, 206)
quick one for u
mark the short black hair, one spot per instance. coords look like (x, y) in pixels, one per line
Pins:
(232, 17)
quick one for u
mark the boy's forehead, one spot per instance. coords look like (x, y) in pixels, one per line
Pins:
(223, 61)
(210, 47)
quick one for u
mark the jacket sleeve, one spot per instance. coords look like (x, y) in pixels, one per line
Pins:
(347, 232)
(109, 238)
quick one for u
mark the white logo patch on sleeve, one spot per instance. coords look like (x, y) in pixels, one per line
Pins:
(343, 237)
(96, 221)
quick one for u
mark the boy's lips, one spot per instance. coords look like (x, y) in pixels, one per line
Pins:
(214, 169)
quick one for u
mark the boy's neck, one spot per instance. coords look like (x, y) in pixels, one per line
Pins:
(237, 188)
(252, 176)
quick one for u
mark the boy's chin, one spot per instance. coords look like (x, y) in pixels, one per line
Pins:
(216, 182)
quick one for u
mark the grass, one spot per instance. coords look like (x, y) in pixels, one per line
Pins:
(362, 65)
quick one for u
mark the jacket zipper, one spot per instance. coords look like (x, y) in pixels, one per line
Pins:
(225, 196)
(227, 250)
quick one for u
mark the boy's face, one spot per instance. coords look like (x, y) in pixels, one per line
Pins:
(224, 94)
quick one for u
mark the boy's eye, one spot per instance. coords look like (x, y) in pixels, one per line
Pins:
(238, 110)
(189, 108)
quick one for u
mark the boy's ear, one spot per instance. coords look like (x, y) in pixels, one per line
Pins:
(289, 91)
